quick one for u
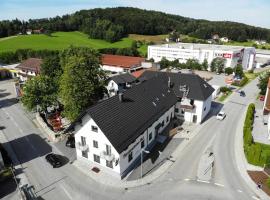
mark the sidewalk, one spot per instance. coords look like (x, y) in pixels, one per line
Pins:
(241, 161)
(107, 179)
(23, 180)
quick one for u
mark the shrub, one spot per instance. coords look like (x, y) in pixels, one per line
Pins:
(228, 70)
(224, 89)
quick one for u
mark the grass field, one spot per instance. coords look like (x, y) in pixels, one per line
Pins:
(247, 44)
(148, 38)
(58, 41)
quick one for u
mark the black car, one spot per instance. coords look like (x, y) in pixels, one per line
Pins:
(54, 160)
(70, 142)
(242, 93)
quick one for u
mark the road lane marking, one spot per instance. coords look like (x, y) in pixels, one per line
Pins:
(239, 191)
(66, 192)
(256, 198)
(198, 180)
(186, 179)
(218, 184)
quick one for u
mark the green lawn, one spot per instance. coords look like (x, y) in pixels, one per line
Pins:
(224, 96)
(247, 44)
(58, 41)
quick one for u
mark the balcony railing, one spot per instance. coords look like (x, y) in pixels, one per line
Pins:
(107, 156)
(82, 147)
(188, 107)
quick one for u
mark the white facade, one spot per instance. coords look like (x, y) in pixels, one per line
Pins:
(112, 88)
(92, 145)
(196, 113)
(115, 69)
(25, 74)
(200, 52)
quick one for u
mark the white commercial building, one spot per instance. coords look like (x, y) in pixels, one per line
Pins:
(183, 51)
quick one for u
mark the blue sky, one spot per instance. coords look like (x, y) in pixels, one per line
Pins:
(254, 12)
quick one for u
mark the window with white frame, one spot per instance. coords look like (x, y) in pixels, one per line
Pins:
(94, 128)
(109, 164)
(95, 143)
(96, 158)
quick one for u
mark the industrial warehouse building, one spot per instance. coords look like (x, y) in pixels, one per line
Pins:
(183, 51)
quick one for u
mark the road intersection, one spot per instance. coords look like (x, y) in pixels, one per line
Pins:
(179, 182)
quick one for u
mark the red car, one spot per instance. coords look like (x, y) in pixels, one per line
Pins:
(262, 98)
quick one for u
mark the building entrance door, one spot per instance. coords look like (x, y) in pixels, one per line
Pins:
(194, 118)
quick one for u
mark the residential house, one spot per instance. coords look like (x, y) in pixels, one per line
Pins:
(224, 39)
(112, 134)
(120, 64)
(194, 95)
(266, 106)
(29, 68)
(9, 71)
(120, 83)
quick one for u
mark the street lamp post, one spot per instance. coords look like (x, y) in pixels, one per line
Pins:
(143, 151)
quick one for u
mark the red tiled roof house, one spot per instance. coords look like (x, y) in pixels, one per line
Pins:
(120, 64)
(29, 68)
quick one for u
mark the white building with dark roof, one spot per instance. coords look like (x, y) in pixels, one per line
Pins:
(120, 83)
(183, 51)
(112, 134)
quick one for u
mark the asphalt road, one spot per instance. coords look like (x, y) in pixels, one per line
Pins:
(179, 182)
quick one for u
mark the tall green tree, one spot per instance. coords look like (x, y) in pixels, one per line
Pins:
(205, 65)
(217, 65)
(263, 81)
(51, 67)
(164, 63)
(239, 71)
(82, 82)
(40, 92)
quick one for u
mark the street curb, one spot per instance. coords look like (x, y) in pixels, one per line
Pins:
(152, 176)
(241, 161)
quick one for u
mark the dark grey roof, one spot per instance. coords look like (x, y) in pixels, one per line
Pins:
(123, 122)
(198, 88)
(123, 78)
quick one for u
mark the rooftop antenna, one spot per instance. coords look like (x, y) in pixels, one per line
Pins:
(185, 90)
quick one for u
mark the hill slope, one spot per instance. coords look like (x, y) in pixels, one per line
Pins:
(58, 41)
(112, 24)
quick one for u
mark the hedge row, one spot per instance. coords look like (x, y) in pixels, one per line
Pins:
(256, 153)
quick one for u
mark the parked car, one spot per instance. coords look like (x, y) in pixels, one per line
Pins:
(54, 160)
(221, 115)
(242, 93)
(70, 142)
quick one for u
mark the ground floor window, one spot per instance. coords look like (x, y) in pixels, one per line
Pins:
(142, 144)
(130, 156)
(109, 164)
(85, 154)
(150, 137)
(96, 158)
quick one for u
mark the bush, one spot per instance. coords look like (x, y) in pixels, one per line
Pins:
(228, 70)
(224, 89)
(251, 71)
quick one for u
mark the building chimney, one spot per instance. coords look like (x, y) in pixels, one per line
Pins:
(169, 82)
(121, 96)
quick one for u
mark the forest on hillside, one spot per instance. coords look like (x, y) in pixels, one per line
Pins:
(112, 24)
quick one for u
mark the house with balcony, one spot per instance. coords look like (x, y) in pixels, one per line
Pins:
(112, 134)
(120, 83)
(194, 95)
(29, 68)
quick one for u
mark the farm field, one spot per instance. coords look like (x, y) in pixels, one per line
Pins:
(58, 41)
(148, 38)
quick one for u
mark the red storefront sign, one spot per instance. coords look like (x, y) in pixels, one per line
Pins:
(227, 55)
